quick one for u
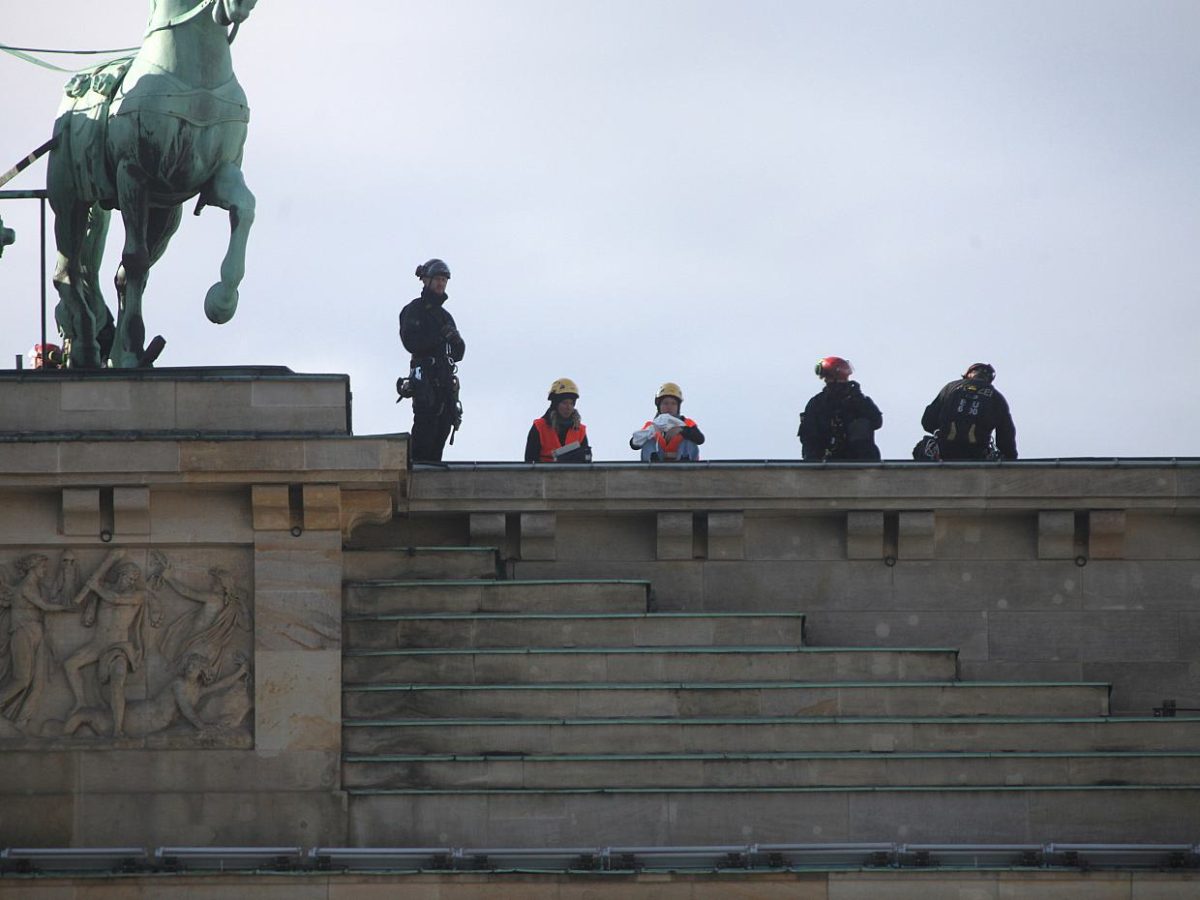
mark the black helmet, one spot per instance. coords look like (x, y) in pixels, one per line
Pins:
(981, 372)
(433, 268)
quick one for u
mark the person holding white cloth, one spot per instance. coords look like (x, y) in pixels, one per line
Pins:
(669, 436)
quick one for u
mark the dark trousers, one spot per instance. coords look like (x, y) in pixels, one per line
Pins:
(432, 421)
(951, 452)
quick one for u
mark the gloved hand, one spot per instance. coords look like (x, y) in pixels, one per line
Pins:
(641, 437)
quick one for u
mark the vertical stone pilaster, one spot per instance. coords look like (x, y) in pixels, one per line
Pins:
(726, 535)
(297, 622)
(915, 537)
(674, 535)
(81, 511)
(537, 536)
(864, 535)
(1056, 534)
(1106, 533)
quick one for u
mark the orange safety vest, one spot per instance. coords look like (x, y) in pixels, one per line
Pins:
(670, 449)
(550, 441)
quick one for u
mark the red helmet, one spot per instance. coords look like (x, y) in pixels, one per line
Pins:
(45, 356)
(834, 367)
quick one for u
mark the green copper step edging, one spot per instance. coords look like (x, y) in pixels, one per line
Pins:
(640, 650)
(476, 583)
(817, 789)
(421, 549)
(858, 756)
(569, 616)
(717, 685)
(775, 720)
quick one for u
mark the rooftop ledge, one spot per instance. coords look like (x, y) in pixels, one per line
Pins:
(1154, 484)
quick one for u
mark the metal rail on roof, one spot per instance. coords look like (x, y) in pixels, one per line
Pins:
(748, 858)
(1141, 462)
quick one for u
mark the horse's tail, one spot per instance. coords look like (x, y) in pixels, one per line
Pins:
(28, 161)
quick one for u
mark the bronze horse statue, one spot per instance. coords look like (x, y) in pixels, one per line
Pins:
(145, 135)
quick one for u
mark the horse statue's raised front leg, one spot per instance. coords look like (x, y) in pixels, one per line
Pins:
(228, 190)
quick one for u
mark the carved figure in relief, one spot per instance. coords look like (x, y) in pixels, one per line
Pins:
(118, 610)
(26, 604)
(209, 629)
(25, 649)
(196, 679)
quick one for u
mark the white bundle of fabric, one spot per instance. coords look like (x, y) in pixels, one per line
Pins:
(661, 423)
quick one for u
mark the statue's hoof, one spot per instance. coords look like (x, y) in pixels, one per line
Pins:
(124, 359)
(220, 303)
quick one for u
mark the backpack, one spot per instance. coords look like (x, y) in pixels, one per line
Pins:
(967, 418)
(927, 449)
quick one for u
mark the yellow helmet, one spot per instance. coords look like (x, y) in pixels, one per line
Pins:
(562, 386)
(669, 389)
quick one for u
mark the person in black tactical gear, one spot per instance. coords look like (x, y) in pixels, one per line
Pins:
(428, 332)
(965, 413)
(839, 424)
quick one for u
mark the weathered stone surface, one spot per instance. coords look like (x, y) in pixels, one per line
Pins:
(538, 536)
(131, 511)
(216, 515)
(489, 529)
(916, 536)
(81, 511)
(726, 535)
(745, 735)
(662, 664)
(139, 458)
(674, 535)
(502, 596)
(1149, 536)
(572, 537)
(322, 507)
(1056, 534)
(1142, 585)
(272, 510)
(294, 705)
(306, 818)
(1106, 533)
(864, 535)
(249, 401)
(410, 563)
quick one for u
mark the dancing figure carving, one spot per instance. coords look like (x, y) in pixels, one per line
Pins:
(145, 135)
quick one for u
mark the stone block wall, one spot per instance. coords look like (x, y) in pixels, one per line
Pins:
(1060, 572)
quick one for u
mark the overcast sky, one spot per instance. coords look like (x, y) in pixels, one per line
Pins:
(713, 193)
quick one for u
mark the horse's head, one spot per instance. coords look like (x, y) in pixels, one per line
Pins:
(232, 12)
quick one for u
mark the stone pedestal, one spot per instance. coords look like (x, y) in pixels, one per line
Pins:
(170, 552)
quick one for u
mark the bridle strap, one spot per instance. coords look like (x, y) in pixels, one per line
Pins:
(181, 18)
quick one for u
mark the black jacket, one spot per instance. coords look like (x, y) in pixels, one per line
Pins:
(428, 331)
(964, 414)
(840, 424)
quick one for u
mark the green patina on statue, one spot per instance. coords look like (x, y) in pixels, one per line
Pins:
(7, 236)
(145, 135)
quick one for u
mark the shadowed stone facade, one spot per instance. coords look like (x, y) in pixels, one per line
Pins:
(307, 643)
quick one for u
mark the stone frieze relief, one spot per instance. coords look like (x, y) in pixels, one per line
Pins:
(130, 646)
